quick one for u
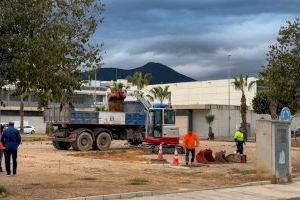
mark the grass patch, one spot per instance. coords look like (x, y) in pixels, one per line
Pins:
(185, 182)
(212, 175)
(88, 178)
(3, 192)
(35, 184)
(138, 181)
(242, 171)
(38, 139)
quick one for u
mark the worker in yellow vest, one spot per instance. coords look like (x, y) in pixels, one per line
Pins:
(239, 139)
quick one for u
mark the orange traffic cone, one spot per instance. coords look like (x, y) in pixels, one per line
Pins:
(175, 158)
(160, 153)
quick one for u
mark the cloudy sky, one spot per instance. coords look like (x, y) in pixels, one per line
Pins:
(194, 37)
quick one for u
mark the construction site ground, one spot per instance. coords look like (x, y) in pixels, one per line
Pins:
(47, 173)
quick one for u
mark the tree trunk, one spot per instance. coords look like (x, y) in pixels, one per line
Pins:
(273, 109)
(244, 115)
(211, 135)
(21, 115)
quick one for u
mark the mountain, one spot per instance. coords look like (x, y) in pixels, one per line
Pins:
(160, 74)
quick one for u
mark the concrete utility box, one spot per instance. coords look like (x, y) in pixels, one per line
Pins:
(273, 147)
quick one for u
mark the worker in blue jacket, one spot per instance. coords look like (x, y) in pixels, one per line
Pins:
(11, 140)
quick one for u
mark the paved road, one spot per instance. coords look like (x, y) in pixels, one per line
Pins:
(259, 192)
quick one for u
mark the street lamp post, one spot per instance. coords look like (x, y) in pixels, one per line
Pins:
(95, 97)
(229, 117)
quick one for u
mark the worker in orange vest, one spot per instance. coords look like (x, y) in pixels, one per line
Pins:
(190, 142)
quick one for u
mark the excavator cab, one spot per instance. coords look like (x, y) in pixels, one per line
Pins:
(160, 126)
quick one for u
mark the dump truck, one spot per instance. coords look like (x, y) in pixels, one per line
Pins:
(139, 122)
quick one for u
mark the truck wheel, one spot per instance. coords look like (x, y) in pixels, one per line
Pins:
(83, 142)
(103, 141)
(74, 146)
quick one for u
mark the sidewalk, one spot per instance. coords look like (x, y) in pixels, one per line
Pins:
(259, 192)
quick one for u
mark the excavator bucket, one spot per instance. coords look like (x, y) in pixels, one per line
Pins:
(205, 156)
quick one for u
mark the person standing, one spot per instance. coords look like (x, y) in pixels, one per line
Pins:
(11, 140)
(239, 139)
(1, 147)
(190, 142)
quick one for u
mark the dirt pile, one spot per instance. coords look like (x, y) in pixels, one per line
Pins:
(124, 155)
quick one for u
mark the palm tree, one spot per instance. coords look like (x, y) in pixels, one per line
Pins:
(240, 83)
(160, 94)
(118, 87)
(209, 120)
(139, 80)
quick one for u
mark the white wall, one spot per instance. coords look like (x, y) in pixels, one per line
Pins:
(206, 92)
(220, 124)
(199, 123)
(182, 122)
(213, 92)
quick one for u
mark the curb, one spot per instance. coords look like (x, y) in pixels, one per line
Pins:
(256, 183)
(158, 193)
(114, 196)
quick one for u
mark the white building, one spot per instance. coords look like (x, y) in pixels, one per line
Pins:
(194, 100)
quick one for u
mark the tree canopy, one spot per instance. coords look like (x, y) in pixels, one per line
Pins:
(261, 103)
(43, 45)
(281, 76)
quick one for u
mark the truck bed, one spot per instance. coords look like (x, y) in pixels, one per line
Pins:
(68, 116)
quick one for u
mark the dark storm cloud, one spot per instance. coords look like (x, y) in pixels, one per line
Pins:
(193, 37)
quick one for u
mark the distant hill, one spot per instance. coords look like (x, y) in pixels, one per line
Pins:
(160, 74)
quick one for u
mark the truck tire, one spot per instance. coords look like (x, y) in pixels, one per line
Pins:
(61, 145)
(74, 146)
(83, 142)
(103, 141)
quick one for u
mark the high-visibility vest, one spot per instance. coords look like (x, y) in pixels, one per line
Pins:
(190, 141)
(239, 136)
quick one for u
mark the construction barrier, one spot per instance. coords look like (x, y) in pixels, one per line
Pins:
(160, 153)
